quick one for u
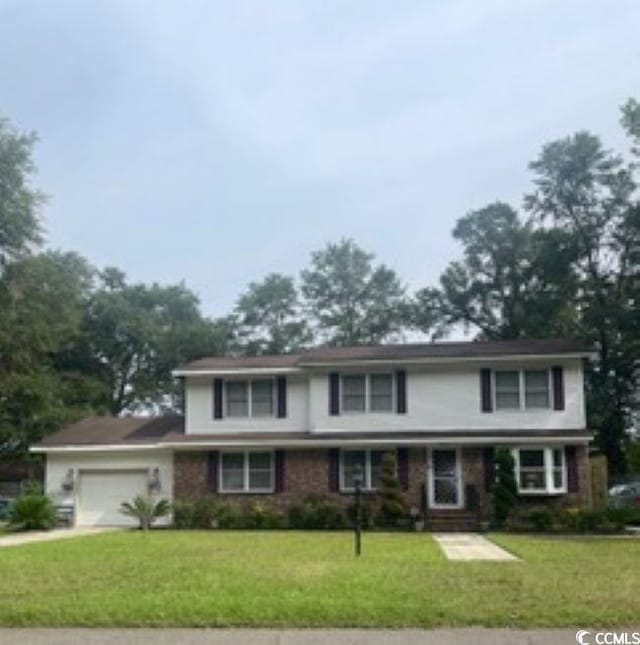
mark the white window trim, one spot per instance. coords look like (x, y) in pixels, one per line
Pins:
(431, 476)
(521, 390)
(549, 489)
(367, 393)
(250, 415)
(245, 473)
(366, 484)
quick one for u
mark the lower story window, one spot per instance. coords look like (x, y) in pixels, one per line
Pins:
(540, 470)
(370, 461)
(246, 472)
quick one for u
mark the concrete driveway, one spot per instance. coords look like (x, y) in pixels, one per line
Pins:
(30, 537)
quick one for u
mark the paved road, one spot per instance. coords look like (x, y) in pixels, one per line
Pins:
(470, 636)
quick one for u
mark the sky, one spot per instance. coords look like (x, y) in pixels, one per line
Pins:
(215, 142)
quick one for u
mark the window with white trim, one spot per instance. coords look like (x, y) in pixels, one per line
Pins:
(367, 393)
(522, 389)
(370, 461)
(246, 472)
(540, 470)
(253, 398)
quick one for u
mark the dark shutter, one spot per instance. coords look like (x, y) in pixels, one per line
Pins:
(489, 461)
(279, 458)
(214, 458)
(334, 470)
(572, 469)
(401, 392)
(281, 394)
(558, 387)
(486, 404)
(334, 394)
(403, 468)
(218, 385)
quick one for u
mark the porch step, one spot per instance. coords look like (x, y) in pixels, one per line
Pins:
(452, 522)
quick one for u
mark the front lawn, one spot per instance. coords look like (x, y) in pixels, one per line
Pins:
(312, 579)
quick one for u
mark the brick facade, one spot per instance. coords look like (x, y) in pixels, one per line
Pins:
(306, 472)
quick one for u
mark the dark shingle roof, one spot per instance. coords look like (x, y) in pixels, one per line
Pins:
(405, 351)
(116, 430)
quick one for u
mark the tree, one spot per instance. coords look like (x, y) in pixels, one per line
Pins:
(20, 227)
(136, 334)
(393, 505)
(41, 305)
(146, 510)
(513, 280)
(506, 488)
(351, 301)
(270, 319)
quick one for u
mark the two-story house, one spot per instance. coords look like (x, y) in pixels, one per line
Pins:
(279, 428)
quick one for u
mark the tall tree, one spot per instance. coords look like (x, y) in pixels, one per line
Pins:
(270, 319)
(350, 300)
(512, 281)
(19, 200)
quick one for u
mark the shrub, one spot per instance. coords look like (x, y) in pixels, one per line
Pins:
(506, 489)
(393, 508)
(146, 510)
(316, 513)
(205, 513)
(541, 520)
(32, 511)
(183, 515)
(260, 516)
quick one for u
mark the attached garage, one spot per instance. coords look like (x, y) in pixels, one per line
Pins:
(101, 493)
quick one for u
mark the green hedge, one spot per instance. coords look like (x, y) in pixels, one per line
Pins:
(572, 520)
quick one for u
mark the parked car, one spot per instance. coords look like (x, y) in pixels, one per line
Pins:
(625, 495)
(5, 508)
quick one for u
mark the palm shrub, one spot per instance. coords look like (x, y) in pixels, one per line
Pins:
(146, 510)
(506, 489)
(393, 506)
(32, 511)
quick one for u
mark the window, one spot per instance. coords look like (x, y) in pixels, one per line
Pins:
(522, 390)
(250, 398)
(371, 463)
(367, 393)
(540, 470)
(246, 472)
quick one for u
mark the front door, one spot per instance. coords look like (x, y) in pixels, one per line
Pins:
(445, 485)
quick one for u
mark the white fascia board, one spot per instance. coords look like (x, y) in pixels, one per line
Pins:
(97, 448)
(446, 361)
(235, 371)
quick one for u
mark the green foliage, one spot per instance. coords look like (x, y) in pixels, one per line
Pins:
(633, 457)
(562, 520)
(146, 510)
(351, 301)
(270, 319)
(32, 511)
(316, 512)
(392, 505)
(20, 225)
(506, 488)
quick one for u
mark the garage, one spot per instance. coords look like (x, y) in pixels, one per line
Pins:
(101, 493)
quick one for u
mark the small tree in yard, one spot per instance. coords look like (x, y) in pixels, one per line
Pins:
(393, 506)
(32, 511)
(146, 510)
(506, 490)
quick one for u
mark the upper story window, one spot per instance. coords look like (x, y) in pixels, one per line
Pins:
(253, 398)
(522, 389)
(367, 393)
(540, 470)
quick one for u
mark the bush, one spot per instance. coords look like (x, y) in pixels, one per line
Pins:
(32, 511)
(393, 508)
(316, 513)
(506, 489)
(541, 520)
(260, 516)
(183, 515)
(570, 520)
(146, 510)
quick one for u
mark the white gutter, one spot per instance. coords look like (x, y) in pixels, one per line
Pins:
(317, 443)
(237, 370)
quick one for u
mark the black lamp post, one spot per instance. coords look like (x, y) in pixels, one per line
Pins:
(358, 477)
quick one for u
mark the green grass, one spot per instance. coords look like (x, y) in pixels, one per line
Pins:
(312, 579)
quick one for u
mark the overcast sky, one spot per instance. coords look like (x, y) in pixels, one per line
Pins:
(214, 142)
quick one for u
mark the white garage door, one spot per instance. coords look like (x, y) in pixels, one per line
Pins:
(102, 492)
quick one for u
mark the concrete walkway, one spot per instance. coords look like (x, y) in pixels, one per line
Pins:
(18, 539)
(471, 546)
(465, 636)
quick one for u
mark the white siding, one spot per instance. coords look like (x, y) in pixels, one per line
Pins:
(199, 409)
(448, 398)
(58, 465)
